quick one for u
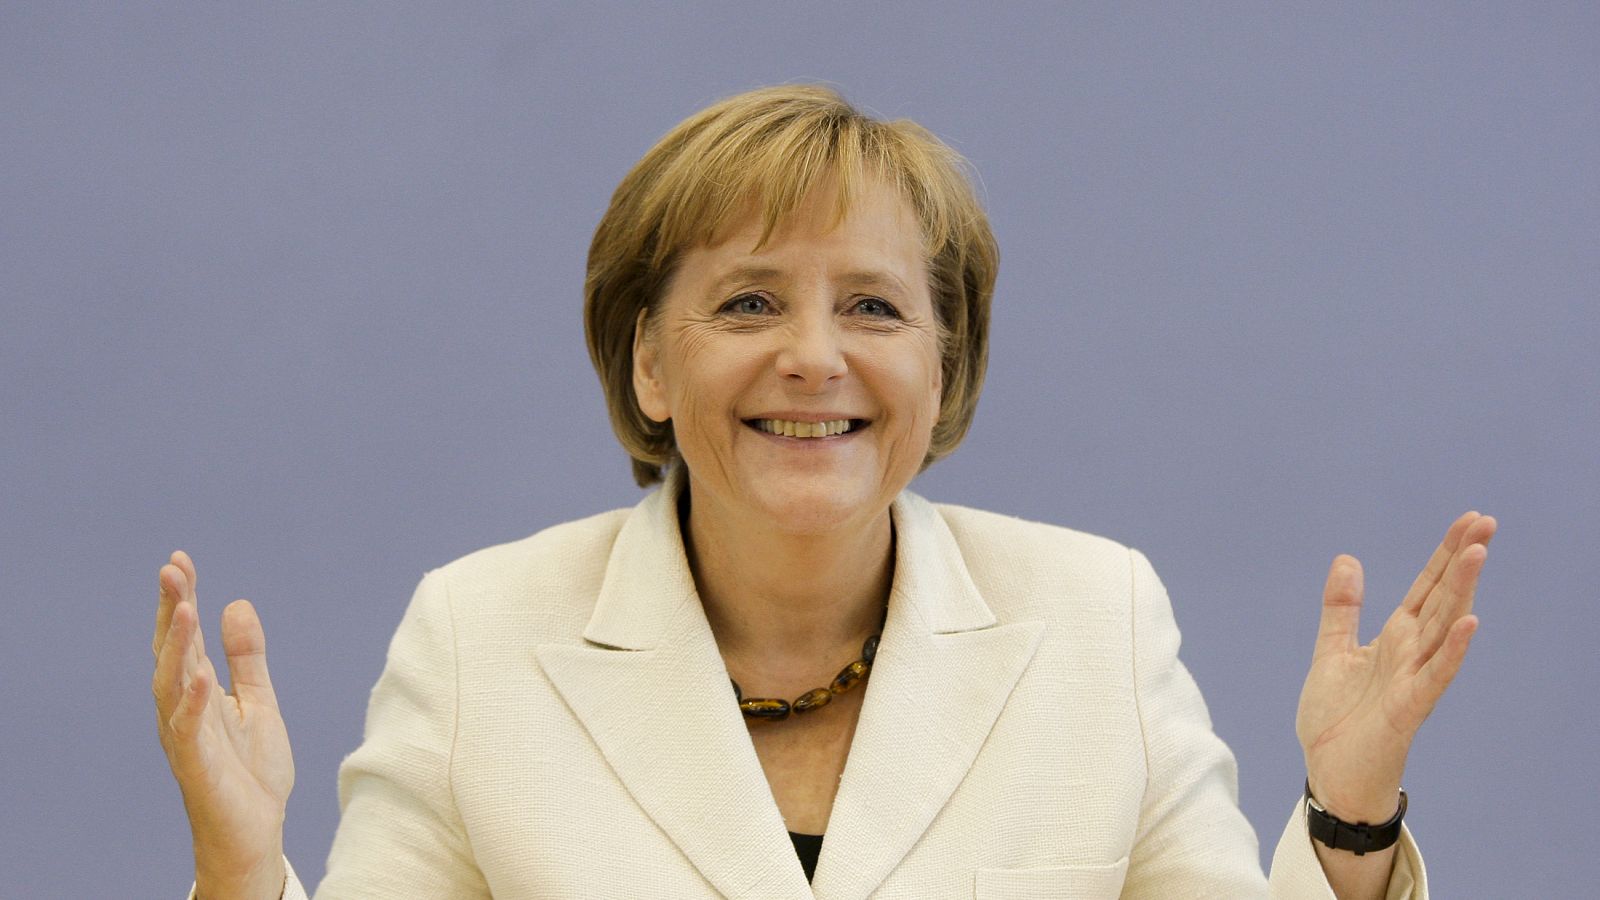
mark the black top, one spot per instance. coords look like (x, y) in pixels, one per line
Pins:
(807, 846)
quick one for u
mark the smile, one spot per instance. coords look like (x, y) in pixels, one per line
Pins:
(789, 428)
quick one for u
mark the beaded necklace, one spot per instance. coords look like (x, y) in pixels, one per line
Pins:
(773, 709)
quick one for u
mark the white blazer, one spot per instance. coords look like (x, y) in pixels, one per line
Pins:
(554, 721)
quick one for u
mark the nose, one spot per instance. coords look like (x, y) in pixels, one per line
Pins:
(812, 354)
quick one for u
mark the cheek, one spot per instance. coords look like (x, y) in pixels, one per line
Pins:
(911, 381)
(684, 365)
(930, 377)
(705, 372)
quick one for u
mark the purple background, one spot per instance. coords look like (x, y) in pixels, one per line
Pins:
(297, 289)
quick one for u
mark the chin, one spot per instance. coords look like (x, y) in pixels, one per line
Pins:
(822, 506)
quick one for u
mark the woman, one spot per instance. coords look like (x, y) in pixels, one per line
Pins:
(787, 305)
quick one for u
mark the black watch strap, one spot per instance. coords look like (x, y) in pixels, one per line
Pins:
(1360, 838)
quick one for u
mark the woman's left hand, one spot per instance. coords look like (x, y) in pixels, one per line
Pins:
(1362, 705)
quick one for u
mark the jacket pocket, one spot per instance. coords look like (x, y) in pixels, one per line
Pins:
(1052, 882)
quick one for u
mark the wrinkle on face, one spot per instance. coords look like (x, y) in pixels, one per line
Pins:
(812, 347)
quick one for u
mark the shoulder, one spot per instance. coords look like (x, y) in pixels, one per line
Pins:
(1028, 568)
(990, 538)
(557, 547)
(992, 532)
(551, 576)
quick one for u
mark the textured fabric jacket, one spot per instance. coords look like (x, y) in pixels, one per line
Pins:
(554, 721)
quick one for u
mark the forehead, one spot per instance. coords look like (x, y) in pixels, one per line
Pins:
(877, 233)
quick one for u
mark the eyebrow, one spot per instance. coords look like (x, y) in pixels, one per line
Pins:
(866, 278)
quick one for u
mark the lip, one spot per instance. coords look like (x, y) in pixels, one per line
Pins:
(857, 425)
(797, 416)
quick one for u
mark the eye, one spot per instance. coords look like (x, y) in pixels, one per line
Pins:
(872, 306)
(747, 305)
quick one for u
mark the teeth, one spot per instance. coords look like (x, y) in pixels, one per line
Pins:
(803, 429)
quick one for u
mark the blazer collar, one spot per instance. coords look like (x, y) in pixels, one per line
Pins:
(647, 584)
(647, 581)
(653, 693)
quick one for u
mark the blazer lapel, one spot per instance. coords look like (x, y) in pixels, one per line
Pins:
(651, 689)
(942, 675)
(653, 693)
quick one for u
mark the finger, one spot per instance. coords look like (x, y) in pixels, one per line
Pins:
(183, 562)
(190, 586)
(1481, 531)
(172, 659)
(181, 661)
(245, 644)
(174, 581)
(1436, 675)
(167, 593)
(1452, 598)
(188, 717)
(191, 654)
(1341, 606)
(1430, 574)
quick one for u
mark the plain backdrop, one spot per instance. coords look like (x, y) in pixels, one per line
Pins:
(296, 287)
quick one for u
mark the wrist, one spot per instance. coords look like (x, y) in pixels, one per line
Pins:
(1371, 802)
(264, 880)
(1360, 837)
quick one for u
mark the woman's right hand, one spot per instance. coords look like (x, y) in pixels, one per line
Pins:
(229, 752)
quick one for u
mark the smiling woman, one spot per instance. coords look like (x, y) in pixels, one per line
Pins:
(794, 338)
(787, 304)
(731, 176)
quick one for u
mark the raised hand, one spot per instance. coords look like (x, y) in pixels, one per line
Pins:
(229, 752)
(1362, 705)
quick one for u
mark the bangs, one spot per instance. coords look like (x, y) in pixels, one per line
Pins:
(775, 158)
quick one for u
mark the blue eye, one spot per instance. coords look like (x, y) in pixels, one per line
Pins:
(747, 304)
(872, 306)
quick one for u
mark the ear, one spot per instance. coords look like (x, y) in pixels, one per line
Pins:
(648, 388)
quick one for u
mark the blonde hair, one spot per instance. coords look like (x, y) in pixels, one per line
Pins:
(775, 146)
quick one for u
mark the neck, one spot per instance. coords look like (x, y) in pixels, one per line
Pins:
(788, 608)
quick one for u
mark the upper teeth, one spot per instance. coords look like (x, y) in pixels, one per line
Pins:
(803, 429)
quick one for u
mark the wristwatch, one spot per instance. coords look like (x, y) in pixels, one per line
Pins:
(1360, 838)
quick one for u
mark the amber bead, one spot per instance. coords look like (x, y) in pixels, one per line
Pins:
(869, 650)
(849, 677)
(765, 708)
(812, 699)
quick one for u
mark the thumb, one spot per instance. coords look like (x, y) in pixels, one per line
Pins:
(245, 644)
(1341, 606)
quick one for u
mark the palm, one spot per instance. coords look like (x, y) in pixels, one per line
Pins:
(1362, 704)
(229, 752)
(244, 750)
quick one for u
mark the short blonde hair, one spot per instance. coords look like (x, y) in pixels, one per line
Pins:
(774, 146)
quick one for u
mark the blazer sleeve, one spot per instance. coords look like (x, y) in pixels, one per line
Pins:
(1192, 839)
(399, 831)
